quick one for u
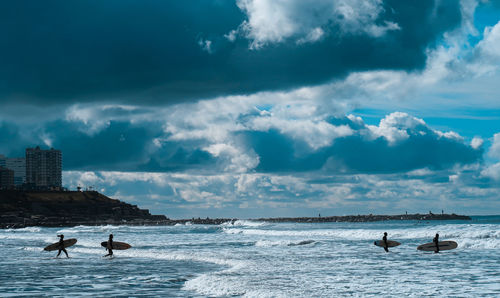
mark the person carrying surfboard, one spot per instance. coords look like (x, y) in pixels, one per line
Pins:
(61, 246)
(109, 246)
(436, 242)
(384, 239)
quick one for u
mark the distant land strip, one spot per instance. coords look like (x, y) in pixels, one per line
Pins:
(367, 218)
(19, 209)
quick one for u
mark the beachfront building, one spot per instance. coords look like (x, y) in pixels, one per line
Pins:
(6, 178)
(18, 165)
(44, 168)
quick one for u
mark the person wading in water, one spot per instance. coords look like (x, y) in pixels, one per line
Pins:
(436, 242)
(109, 246)
(61, 246)
(384, 239)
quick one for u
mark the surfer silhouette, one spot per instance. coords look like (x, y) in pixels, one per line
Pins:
(386, 246)
(436, 242)
(61, 246)
(109, 246)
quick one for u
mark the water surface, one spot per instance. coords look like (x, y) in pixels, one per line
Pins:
(256, 260)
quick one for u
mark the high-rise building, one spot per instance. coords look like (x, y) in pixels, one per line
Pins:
(3, 160)
(44, 167)
(18, 165)
(6, 178)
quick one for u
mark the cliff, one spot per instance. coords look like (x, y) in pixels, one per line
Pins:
(68, 208)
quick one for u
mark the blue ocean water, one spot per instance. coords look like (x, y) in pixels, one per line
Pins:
(256, 259)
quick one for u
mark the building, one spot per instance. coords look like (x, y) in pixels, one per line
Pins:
(3, 160)
(44, 168)
(18, 165)
(6, 178)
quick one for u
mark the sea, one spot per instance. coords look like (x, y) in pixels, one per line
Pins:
(256, 259)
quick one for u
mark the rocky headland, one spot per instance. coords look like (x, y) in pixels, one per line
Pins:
(20, 209)
(68, 208)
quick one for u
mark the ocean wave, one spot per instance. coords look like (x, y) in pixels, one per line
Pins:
(243, 223)
(268, 243)
(98, 229)
(223, 260)
(21, 230)
(213, 286)
(451, 231)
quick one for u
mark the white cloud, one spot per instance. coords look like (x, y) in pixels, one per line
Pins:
(492, 171)
(486, 54)
(95, 118)
(476, 142)
(234, 158)
(206, 45)
(273, 21)
(227, 192)
(83, 179)
(315, 131)
(47, 139)
(231, 36)
(313, 36)
(394, 127)
(495, 147)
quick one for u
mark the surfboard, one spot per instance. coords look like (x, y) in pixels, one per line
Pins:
(390, 243)
(55, 246)
(443, 245)
(117, 245)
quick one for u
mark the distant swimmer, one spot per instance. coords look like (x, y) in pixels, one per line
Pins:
(60, 247)
(386, 245)
(109, 246)
(436, 242)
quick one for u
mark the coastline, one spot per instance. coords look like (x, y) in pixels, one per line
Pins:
(20, 209)
(68, 222)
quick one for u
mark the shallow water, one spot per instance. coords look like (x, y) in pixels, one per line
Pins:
(256, 260)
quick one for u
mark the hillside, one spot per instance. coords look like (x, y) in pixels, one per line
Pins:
(68, 208)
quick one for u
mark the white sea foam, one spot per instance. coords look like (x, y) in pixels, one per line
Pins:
(166, 255)
(268, 243)
(368, 234)
(244, 223)
(27, 229)
(93, 229)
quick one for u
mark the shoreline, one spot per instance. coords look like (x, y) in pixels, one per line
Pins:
(68, 222)
(20, 209)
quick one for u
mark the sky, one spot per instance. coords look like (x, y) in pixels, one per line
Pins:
(260, 108)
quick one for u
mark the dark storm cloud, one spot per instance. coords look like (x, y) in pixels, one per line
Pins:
(11, 141)
(120, 146)
(148, 51)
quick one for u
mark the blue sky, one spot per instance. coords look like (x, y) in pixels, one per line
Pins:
(253, 108)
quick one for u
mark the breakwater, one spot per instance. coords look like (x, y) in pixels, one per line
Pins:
(367, 218)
